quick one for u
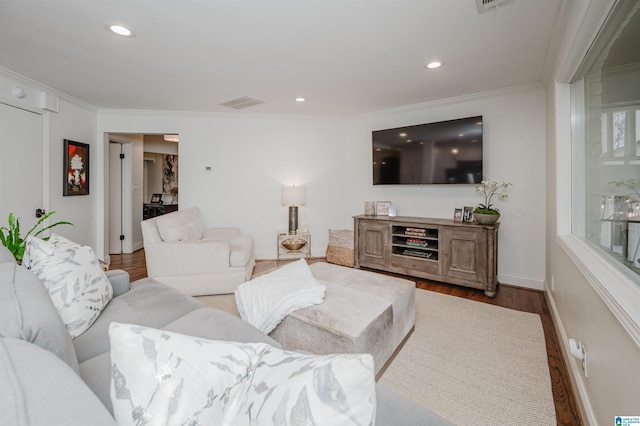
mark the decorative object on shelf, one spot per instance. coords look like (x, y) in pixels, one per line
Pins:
(16, 243)
(467, 214)
(370, 208)
(392, 211)
(294, 243)
(293, 196)
(486, 219)
(620, 212)
(490, 189)
(156, 199)
(382, 208)
(630, 202)
(76, 168)
(294, 246)
(457, 215)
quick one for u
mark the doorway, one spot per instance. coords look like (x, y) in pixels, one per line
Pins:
(140, 166)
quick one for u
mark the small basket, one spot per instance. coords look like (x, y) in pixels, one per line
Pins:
(340, 247)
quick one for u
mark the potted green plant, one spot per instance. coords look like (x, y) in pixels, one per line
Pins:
(486, 213)
(11, 238)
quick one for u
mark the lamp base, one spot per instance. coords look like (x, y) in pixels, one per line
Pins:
(293, 220)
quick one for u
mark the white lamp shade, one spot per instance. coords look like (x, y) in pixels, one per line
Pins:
(294, 195)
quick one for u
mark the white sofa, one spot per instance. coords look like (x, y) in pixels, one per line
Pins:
(182, 253)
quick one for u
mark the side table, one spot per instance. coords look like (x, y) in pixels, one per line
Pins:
(302, 252)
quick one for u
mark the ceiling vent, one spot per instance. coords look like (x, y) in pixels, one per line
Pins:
(242, 102)
(487, 5)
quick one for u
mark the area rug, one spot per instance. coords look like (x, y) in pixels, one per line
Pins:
(474, 363)
(470, 362)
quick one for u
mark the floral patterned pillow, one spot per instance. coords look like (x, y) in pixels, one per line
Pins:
(74, 278)
(160, 377)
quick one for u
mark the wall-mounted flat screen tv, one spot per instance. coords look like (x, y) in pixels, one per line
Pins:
(445, 152)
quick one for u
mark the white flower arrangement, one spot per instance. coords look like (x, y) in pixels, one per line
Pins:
(490, 189)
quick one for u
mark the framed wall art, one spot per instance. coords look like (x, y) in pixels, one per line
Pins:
(169, 173)
(76, 168)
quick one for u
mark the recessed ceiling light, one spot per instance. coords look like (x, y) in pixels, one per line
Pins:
(300, 99)
(434, 64)
(403, 135)
(119, 29)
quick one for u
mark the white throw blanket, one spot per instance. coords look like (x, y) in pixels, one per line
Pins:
(264, 301)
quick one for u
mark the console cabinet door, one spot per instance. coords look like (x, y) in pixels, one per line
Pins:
(373, 241)
(465, 255)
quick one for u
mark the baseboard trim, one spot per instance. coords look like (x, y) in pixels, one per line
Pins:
(574, 369)
(519, 281)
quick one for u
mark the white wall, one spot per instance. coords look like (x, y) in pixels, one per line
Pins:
(613, 385)
(252, 158)
(75, 121)
(514, 151)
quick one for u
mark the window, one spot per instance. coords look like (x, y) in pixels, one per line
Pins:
(606, 142)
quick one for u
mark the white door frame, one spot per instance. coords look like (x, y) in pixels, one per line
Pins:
(126, 196)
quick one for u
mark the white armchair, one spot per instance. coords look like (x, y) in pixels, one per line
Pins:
(182, 253)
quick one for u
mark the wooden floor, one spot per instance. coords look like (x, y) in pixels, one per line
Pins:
(509, 297)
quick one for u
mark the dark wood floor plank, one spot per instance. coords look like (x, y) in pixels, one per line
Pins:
(511, 297)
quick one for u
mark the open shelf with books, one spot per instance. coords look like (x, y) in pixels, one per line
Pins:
(421, 243)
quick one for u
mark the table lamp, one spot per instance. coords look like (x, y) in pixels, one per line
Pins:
(293, 196)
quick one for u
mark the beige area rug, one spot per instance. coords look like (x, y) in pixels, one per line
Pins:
(470, 362)
(474, 363)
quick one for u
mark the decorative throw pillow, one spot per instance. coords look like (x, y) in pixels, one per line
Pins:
(74, 278)
(170, 228)
(160, 377)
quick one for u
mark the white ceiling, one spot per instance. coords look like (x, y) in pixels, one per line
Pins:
(345, 56)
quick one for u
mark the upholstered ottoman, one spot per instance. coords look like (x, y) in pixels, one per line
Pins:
(363, 312)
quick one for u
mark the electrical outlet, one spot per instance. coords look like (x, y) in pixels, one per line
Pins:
(579, 351)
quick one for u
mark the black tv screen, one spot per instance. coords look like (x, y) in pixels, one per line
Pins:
(446, 152)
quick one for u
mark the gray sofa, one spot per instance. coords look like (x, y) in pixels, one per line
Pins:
(47, 378)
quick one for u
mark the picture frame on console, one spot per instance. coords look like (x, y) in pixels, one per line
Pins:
(457, 215)
(382, 208)
(467, 214)
(76, 168)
